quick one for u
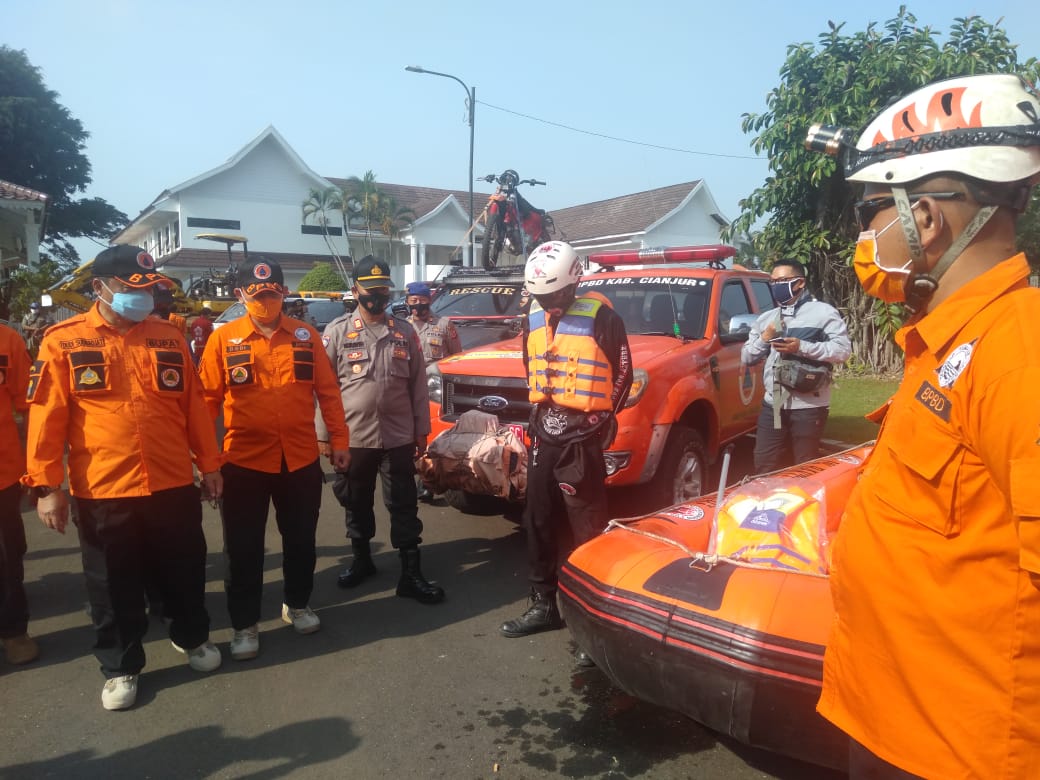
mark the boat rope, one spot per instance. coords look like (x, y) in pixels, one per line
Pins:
(699, 559)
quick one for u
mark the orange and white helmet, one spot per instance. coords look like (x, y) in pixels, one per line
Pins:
(986, 127)
(552, 266)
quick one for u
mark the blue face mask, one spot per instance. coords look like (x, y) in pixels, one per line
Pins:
(133, 306)
(783, 292)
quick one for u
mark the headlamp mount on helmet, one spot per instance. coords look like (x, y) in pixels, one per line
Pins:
(836, 142)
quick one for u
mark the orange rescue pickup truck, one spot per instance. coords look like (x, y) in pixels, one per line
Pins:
(687, 315)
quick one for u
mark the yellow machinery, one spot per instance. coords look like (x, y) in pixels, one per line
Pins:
(212, 289)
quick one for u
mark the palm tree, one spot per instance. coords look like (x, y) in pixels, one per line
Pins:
(362, 199)
(317, 206)
(391, 218)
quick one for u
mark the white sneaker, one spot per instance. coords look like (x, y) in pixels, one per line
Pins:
(204, 658)
(245, 644)
(303, 620)
(119, 693)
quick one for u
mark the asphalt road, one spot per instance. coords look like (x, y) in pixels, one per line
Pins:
(387, 688)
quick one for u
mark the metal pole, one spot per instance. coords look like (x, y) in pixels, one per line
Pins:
(472, 232)
(471, 96)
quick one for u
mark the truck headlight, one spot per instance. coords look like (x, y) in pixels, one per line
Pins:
(433, 383)
(640, 381)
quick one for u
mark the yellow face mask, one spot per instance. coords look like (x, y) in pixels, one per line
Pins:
(877, 280)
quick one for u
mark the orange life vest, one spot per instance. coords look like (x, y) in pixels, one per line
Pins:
(568, 366)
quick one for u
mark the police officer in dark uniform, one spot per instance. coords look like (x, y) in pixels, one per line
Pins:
(572, 420)
(382, 379)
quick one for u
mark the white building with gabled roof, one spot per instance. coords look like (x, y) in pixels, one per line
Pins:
(259, 194)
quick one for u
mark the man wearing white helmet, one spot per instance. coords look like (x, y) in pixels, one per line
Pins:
(579, 371)
(933, 664)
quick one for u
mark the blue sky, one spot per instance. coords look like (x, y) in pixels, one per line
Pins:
(170, 90)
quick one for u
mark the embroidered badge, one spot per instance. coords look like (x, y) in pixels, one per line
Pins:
(234, 341)
(355, 355)
(400, 353)
(356, 368)
(954, 364)
(324, 341)
(934, 401)
(170, 377)
(554, 423)
(352, 335)
(89, 377)
(239, 374)
(303, 334)
(262, 271)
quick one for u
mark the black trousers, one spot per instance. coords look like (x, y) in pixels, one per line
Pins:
(864, 765)
(125, 540)
(14, 609)
(248, 494)
(566, 504)
(797, 440)
(396, 468)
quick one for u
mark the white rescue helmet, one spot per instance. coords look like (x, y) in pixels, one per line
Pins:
(552, 266)
(986, 127)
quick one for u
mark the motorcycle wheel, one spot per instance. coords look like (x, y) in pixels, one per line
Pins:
(492, 246)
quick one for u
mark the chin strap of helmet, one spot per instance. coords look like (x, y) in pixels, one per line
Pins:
(924, 282)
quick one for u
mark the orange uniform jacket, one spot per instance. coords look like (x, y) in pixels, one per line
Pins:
(934, 659)
(179, 323)
(129, 406)
(14, 378)
(267, 388)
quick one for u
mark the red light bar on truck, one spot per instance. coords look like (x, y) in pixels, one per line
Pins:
(709, 253)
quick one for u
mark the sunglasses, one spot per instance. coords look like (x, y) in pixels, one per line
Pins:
(866, 210)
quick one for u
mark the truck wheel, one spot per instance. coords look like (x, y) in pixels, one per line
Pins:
(474, 503)
(682, 473)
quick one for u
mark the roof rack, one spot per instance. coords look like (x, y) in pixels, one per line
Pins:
(476, 272)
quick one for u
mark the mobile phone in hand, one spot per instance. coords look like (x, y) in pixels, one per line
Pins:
(777, 340)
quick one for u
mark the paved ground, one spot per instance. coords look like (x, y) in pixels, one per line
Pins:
(387, 688)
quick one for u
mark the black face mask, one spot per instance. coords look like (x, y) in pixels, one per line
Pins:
(374, 303)
(419, 309)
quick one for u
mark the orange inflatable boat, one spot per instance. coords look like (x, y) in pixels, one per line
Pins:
(720, 608)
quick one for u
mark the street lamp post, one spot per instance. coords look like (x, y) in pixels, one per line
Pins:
(471, 98)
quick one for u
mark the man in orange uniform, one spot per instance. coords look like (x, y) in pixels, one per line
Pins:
(118, 387)
(266, 370)
(19, 647)
(933, 665)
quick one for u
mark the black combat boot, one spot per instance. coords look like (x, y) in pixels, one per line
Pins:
(361, 568)
(541, 615)
(412, 584)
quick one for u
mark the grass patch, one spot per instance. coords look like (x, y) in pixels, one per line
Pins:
(851, 398)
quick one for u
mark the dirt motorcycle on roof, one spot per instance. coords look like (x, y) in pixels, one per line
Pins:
(511, 223)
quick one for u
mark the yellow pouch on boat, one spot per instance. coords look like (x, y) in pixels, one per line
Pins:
(776, 525)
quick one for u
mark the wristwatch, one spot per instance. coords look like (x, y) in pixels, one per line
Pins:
(42, 491)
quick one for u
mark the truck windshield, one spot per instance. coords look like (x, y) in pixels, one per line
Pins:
(478, 300)
(656, 305)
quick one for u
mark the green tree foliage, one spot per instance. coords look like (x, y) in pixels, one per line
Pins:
(846, 80)
(41, 147)
(323, 277)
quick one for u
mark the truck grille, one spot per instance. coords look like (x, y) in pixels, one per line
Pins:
(462, 393)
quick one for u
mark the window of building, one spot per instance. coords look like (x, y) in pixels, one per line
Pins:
(218, 224)
(315, 230)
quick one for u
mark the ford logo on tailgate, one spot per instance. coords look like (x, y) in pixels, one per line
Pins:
(492, 403)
